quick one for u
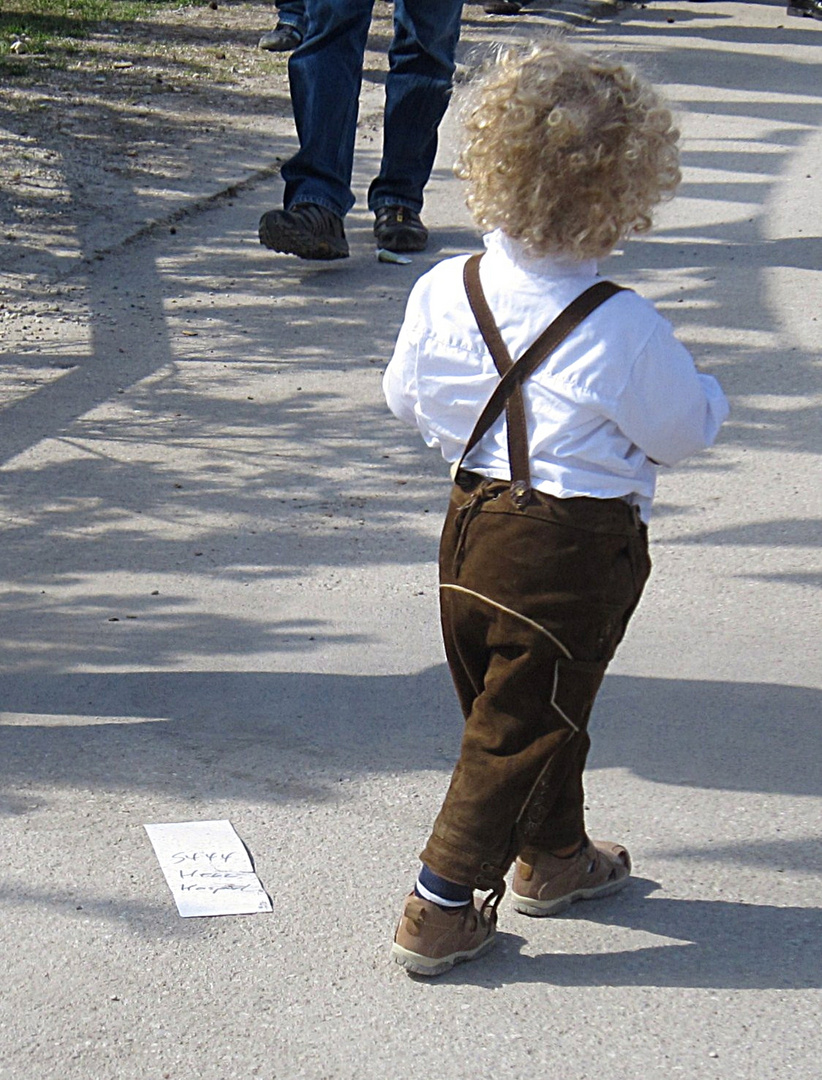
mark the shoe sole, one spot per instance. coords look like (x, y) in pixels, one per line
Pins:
(290, 241)
(538, 909)
(417, 964)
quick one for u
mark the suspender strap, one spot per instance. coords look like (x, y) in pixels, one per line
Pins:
(514, 404)
(508, 392)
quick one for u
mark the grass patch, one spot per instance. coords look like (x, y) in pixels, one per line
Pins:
(43, 30)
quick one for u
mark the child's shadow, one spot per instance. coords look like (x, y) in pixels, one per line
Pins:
(719, 944)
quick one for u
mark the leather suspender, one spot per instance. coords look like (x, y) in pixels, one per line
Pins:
(508, 392)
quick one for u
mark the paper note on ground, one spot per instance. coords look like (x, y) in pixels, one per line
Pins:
(208, 868)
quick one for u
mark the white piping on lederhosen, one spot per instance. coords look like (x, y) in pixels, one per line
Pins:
(536, 626)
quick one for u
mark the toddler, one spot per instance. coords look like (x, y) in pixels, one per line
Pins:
(544, 550)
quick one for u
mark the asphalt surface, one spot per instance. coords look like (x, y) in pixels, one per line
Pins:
(219, 601)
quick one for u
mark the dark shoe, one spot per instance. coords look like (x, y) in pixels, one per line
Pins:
(545, 884)
(503, 7)
(811, 8)
(430, 940)
(399, 229)
(282, 39)
(307, 230)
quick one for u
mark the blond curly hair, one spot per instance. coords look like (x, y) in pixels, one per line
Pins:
(565, 151)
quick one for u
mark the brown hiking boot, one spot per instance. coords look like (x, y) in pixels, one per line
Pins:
(430, 940)
(545, 884)
(307, 230)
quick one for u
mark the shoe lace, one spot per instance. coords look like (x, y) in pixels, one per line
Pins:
(317, 217)
(492, 901)
(397, 215)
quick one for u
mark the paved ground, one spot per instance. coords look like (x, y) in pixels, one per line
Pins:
(219, 601)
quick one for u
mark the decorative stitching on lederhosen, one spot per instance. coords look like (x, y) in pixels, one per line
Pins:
(517, 615)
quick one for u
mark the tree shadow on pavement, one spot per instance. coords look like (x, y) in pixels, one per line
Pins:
(197, 740)
(246, 735)
(716, 944)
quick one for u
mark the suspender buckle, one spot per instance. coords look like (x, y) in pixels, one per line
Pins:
(520, 493)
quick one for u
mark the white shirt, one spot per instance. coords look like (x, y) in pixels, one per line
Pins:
(617, 393)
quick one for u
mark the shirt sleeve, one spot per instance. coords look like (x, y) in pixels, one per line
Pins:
(399, 383)
(667, 408)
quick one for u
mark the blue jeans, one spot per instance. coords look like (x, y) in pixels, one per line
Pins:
(292, 13)
(325, 73)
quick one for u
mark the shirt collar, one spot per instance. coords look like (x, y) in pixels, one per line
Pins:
(500, 245)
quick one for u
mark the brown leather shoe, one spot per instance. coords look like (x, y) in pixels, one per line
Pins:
(430, 940)
(283, 38)
(399, 229)
(545, 884)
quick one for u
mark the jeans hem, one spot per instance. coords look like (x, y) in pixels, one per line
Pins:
(283, 20)
(393, 200)
(316, 200)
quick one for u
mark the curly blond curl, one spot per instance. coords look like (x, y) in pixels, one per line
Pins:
(566, 152)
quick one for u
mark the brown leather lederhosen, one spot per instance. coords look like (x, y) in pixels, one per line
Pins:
(535, 595)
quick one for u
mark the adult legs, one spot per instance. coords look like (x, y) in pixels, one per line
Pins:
(417, 92)
(325, 76)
